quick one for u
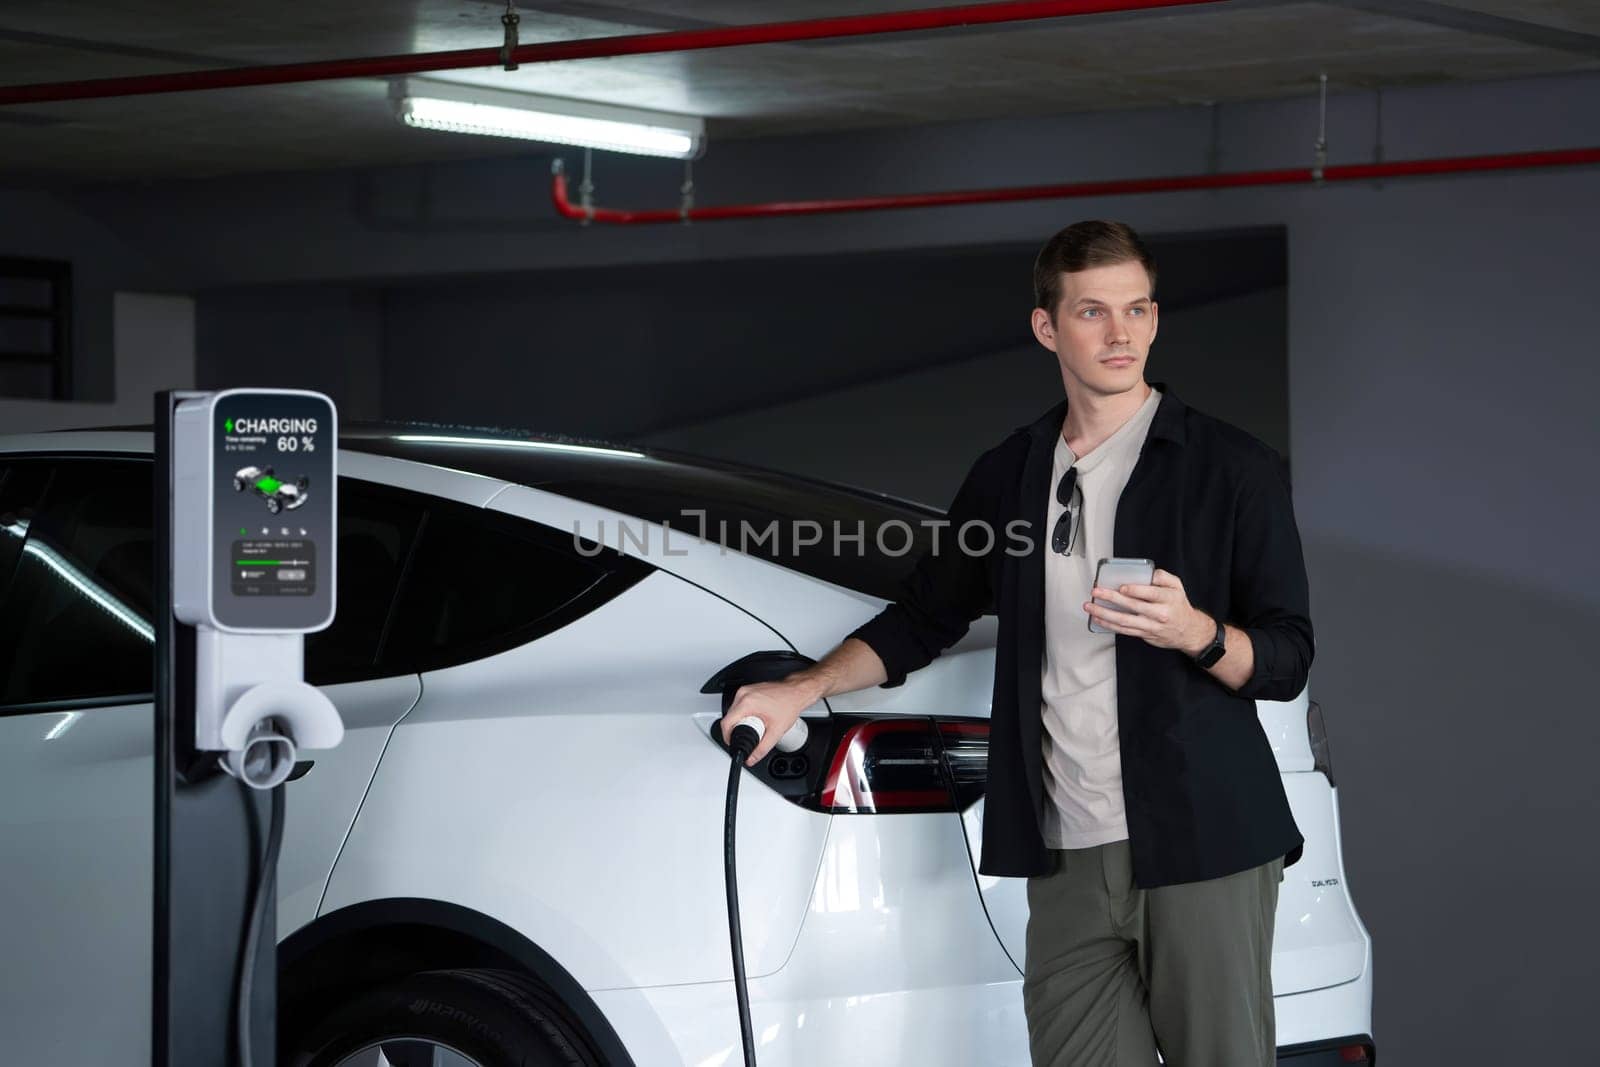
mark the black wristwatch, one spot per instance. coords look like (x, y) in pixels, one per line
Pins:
(1214, 651)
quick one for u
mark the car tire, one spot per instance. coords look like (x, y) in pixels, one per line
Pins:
(498, 1018)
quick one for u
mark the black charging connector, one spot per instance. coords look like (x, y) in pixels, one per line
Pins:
(741, 742)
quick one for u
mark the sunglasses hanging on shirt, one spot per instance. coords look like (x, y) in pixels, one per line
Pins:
(1070, 497)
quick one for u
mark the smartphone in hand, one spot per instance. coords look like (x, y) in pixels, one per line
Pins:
(1111, 573)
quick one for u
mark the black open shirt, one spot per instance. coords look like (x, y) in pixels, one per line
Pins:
(1211, 504)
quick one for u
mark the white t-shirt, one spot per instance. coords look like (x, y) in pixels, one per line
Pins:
(1082, 760)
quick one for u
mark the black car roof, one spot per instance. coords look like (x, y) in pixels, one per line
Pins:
(495, 452)
(717, 500)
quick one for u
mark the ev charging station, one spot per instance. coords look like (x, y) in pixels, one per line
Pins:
(246, 562)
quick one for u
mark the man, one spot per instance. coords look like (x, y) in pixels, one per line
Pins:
(1129, 778)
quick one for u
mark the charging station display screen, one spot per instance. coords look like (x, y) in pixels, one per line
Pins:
(273, 507)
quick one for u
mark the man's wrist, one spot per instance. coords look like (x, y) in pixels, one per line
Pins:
(1200, 638)
(811, 681)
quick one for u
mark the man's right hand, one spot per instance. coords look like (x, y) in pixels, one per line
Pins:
(851, 666)
(777, 704)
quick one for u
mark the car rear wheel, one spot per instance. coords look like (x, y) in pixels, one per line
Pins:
(444, 1019)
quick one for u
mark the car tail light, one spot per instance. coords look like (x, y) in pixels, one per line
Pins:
(966, 759)
(879, 766)
(1354, 1054)
(1317, 733)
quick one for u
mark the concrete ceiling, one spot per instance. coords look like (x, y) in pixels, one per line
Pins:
(1234, 51)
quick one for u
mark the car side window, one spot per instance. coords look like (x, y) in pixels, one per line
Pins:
(75, 617)
(423, 582)
(377, 531)
(483, 582)
(22, 483)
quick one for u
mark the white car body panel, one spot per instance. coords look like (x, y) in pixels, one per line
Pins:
(947, 1026)
(320, 807)
(1284, 723)
(895, 965)
(960, 683)
(1318, 941)
(77, 893)
(1337, 1011)
(502, 793)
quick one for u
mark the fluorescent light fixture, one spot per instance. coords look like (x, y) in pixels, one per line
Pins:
(436, 105)
(493, 442)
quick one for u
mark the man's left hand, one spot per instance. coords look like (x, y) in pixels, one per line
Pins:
(1160, 613)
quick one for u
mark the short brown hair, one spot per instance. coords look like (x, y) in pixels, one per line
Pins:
(1090, 243)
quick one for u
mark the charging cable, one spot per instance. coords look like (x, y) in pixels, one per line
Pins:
(742, 740)
(257, 917)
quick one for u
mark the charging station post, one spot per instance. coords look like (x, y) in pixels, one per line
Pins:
(245, 565)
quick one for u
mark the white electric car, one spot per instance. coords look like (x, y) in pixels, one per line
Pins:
(519, 843)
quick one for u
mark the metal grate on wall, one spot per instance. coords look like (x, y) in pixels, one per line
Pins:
(35, 329)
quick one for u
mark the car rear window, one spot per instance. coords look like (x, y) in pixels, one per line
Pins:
(726, 503)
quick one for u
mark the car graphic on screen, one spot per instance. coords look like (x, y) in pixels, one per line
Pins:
(279, 495)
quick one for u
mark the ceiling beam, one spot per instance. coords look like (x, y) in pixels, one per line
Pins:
(112, 48)
(1448, 16)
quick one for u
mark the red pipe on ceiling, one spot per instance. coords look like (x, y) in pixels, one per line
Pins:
(1409, 168)
(587, 48)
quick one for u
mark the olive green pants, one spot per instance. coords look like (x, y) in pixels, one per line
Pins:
(1114, 972)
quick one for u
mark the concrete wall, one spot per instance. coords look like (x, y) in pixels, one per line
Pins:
(327, 338)
(36, 224)
(1445, 443)
(151, 346)
(632, 349)
(916, 434)
(1441, 377)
